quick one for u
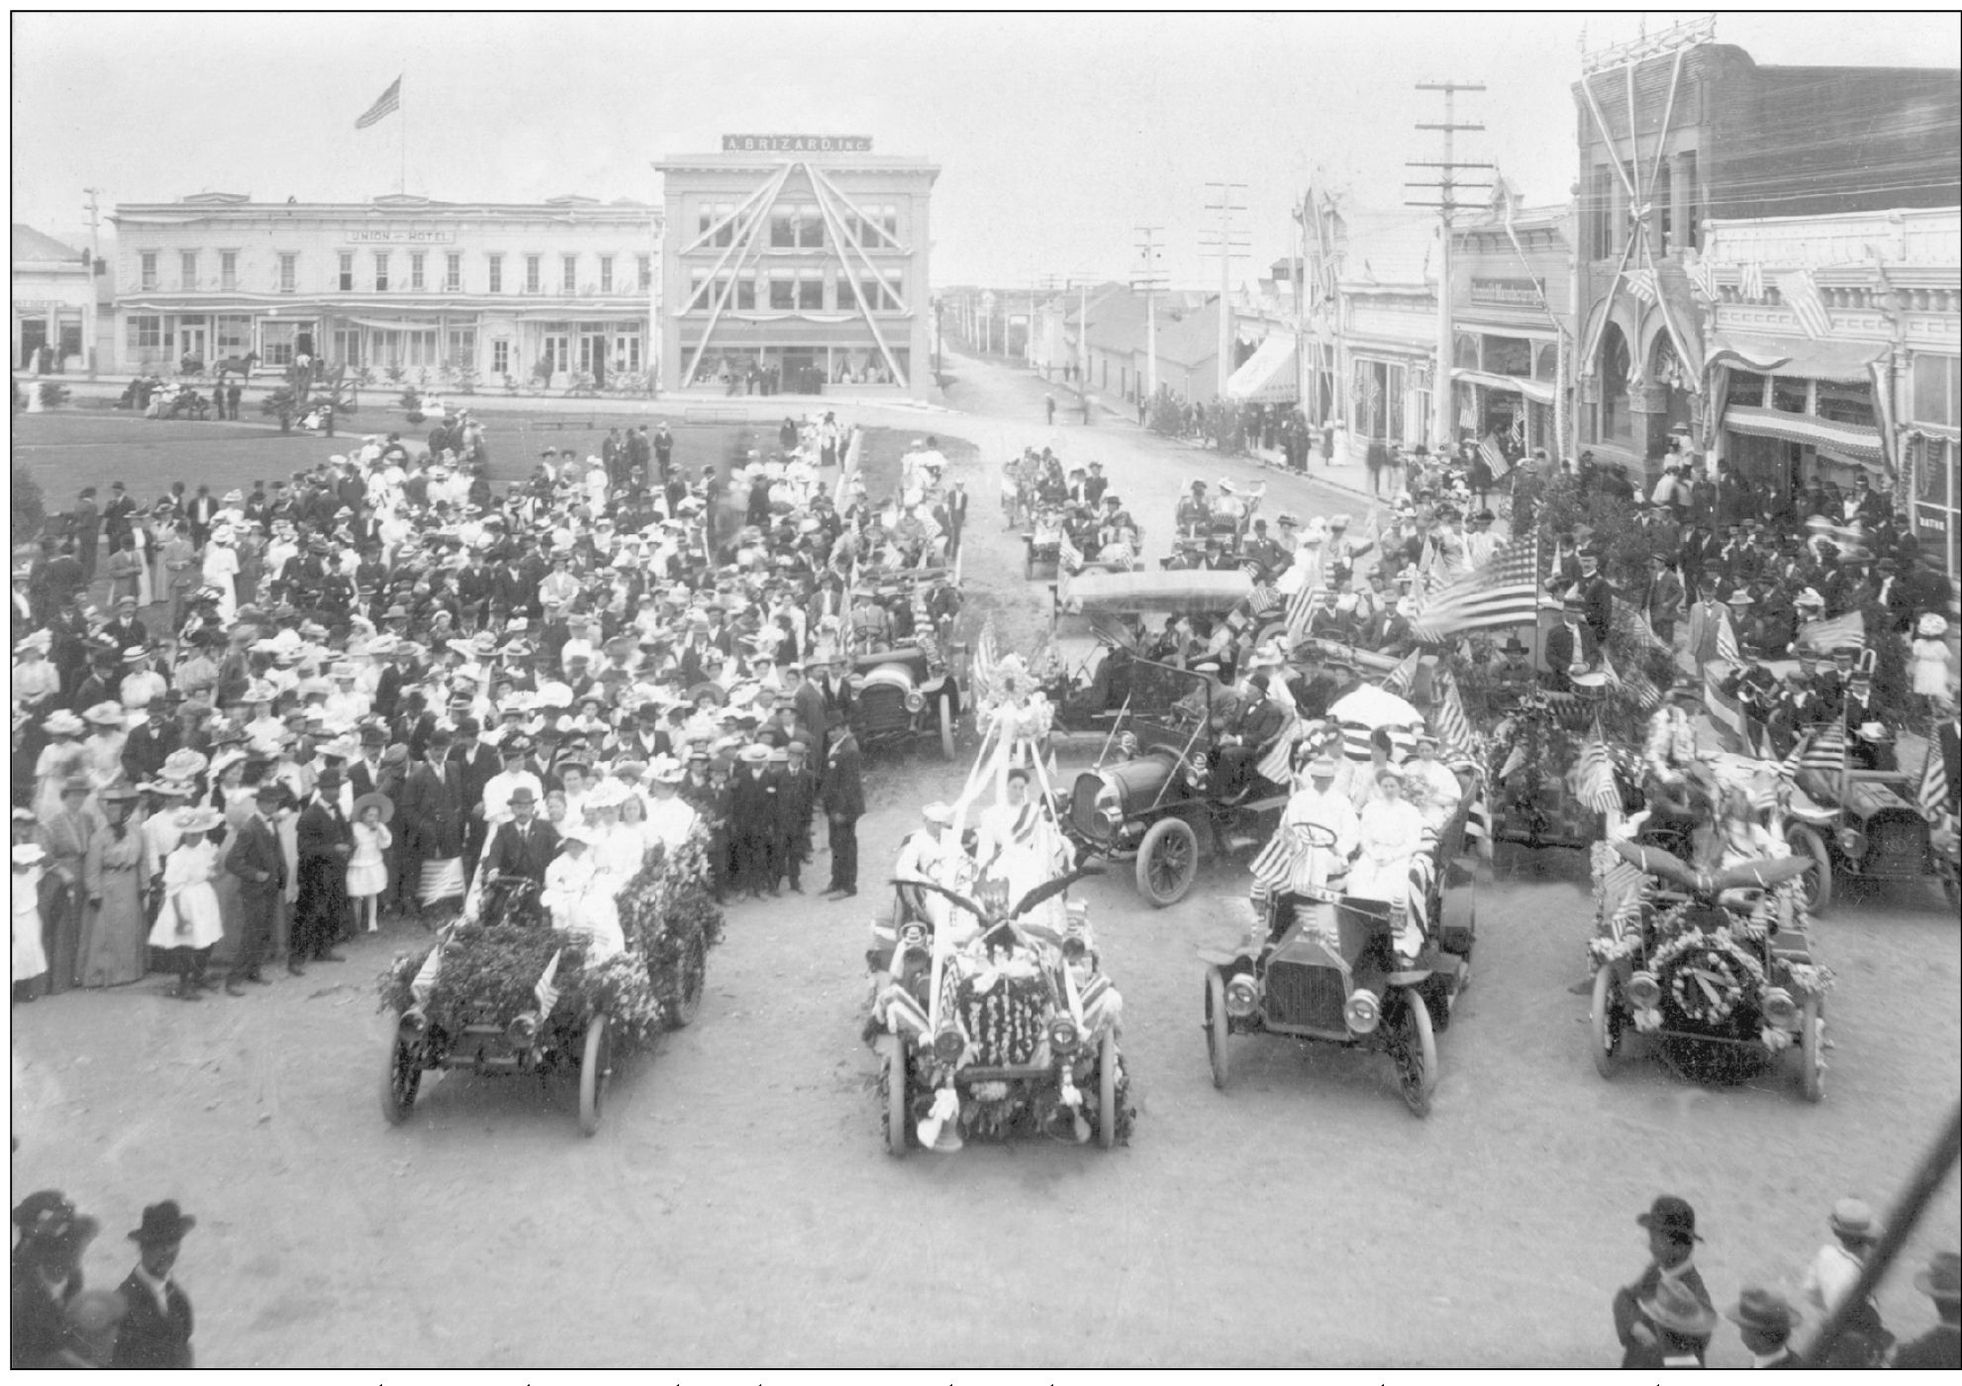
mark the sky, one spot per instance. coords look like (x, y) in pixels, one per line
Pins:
(1056, 135)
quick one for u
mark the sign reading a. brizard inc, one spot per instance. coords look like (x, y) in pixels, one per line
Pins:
(796, 144)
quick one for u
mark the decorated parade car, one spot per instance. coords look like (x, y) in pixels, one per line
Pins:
(1713, 959)
(907, 681)
(1322, 966)
(1861, 824)
(503, 992)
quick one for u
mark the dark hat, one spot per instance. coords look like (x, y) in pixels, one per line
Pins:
(373, 736)
(516, 746)
(269, 789)
(523, 795)
(163, 1222)
(1671, 1215)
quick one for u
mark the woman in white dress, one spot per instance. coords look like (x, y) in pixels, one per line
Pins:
(220, 571)
(30, 959)
(148, 581)
(1392, 832)
(190, 921)
(1019, 844)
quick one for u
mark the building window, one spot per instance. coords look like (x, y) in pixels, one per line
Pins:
(1665, 223)
(606, 274)
(500, 354)
(895, 290)
(569, 277)
(810, 290)
(1691, 233)
(1546, 363)
(796, 226)
(463, 348)
(381, 271)
(698, 278)
(1747, 389)
(1845, 401)
(228, 269)
(1601, 206)
(1617, 424)
(1937, 385)
(645, 267)
(147, 274)
(746, 293)
(277, 342)
(534, 273)
(452, 273)
(717, 222)
(783, 289)
(289, 271)
(188, 268)
(347, 271)
(1508, 355)
(145, 333)
(626, 349)
(232, 333)
(416, 257)
(1790, 395)
(497, 274)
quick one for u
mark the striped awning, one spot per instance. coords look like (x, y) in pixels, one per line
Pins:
(1268, 376)
(1803, 358)
(1539, 391)
(1851, 439)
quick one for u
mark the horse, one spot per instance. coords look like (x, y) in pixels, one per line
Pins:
(241, 364)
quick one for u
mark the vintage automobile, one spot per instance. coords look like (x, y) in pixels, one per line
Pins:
(1533, 801)
(507, 1036)
(908, 685)
(1866, 825)
(1318, 965)
(1713, 958)
(1042, 543)
(1016, 1031)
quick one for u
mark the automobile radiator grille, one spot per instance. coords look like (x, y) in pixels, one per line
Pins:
(1895, 848)
(883, 710)
(1297, 995)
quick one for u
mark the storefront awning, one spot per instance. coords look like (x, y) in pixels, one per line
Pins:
(1850, 439)
(1539, 391)
(1268, 376)
(1804, 358)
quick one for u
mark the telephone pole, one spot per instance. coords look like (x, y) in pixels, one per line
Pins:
(1229, 244)
(1446, 186)
(1150, 280)
(95, 255)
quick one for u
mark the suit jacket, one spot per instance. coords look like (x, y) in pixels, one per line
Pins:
(153, 1337)
(1562, 653)
(432, 809)
(1628, 1313)
(479, 765)
(378, 780)
(144, 751)
(523, 851)
(255, 848)
(1939, 1349)
(843, 794)
(322, 829)
(808, 701)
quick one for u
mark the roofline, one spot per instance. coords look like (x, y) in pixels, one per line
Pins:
(214, 210)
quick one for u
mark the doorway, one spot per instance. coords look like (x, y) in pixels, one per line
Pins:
(592, 352)
(192, 337)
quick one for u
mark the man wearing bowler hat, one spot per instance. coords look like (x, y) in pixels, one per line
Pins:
(1940, 1348)
(256, 859)
(1765, 1322)
(326, 841)
(525, 845)
(157, 1331)
(1669, 1284)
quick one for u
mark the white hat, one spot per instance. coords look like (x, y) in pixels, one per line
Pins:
(938, 812)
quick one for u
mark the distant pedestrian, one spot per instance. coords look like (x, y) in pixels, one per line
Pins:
(1765, 1322)
(157, 1332)
(47, 1276)
(843, 797)
(1836, 1269)
(1086, 408)
(1665, 1317)
(1049, 406)
(234, 392)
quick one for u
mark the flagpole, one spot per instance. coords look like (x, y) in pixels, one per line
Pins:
(402, 177)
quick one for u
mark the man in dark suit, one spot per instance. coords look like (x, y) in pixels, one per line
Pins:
(256, 859)
(1568, 644)
(1940, 1348)
(1765, 1322)
(843, 797)
(477, 763)
(325, 841)
(753, 821)
(156, 1331)
(525, 845)
(147, 745)
(431, 807)
(1647, 1344)
(1597, 596)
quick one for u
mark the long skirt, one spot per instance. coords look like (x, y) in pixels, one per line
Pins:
(113, 949)
(61, 934)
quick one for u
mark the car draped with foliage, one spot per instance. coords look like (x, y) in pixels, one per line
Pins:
(1013, 1031)
(505, 992)
(906, 683)
(1719, 959)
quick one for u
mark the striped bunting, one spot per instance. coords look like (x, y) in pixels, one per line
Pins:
(1455, 737)
(1355, 742)
(1727, 640)
(1824, 751)
(1399, 679)
(1278, 764)
(1423, 869)
(1263, 598)
(1596, 780)
(1503, 592)
(1936, 792)
(1275, 863)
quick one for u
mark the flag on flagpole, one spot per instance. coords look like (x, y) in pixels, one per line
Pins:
(1701, 274)
(1514, 759)
(1801, 295)
(1518, 430)
(1455, 738)
(1934, 795)
(1641, 283)
(1504, 591)
(1596, 779)
(1068, 556)
(1826, 636)
(1399, 679)
(1495, 458)
(1300, 607)
(388, 101)
(1272, 867)
(1727, 640)
(1751, 280)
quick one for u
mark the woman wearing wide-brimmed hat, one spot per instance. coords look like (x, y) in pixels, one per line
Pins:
(47, 1275)
(113, 949)
(190, 921)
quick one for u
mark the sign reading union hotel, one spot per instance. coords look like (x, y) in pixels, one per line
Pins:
(796, 144)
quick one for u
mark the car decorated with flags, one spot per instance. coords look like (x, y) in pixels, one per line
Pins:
(1717, 960)
(908, 667)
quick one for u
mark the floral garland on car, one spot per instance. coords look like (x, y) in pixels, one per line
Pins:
(1014, 698)
(1689, 940)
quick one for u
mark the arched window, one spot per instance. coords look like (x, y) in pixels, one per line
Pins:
(1616, 424)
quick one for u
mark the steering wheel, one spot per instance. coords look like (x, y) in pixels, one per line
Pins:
(1315, 835)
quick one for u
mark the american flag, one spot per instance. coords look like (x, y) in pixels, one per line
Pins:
(1801, 295)
(1399, 679)
(1825, 751)
(1727, 640)
(1826, 636)
(390, 100)
(1272, 867)
(1068, 555)
(1935, 795)
(1751, 280)
(1277, 764)
(1518, 430)
(1495, 458)
(1300, 607)
(1702, 276)
(1505, 591)
(1641, 283)
(1637, 685)
(1263, 598)
(1455, 738)
(1597, 774)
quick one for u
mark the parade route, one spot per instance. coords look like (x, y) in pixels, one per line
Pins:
(736, 1208)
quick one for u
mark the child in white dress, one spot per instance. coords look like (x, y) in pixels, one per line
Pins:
(189, 922)
(367, 868)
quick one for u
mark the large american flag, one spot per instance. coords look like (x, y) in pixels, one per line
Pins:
(1455, 738)
(1300, 607)
(1400, 679)
(1068, 555)
(1826, 636)
(390, 100)
(1263, 598)
(1597, 774)
(1505, 591)
(1801, 295)
(1641, 283)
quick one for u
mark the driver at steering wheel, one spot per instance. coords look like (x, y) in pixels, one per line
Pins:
(1262, 721)
(1195, 515)
(1322, 829)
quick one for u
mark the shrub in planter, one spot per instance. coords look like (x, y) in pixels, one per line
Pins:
(27, 512)
(53, 396)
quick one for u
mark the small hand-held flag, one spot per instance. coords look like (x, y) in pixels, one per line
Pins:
(388, 101)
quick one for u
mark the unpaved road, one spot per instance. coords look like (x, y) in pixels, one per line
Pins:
(736, 1207)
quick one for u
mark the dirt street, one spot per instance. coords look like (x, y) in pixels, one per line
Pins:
(737, 1208)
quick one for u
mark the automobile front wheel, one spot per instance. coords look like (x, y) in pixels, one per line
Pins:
(691, 972)
(595, 1072)
(946, 710)
(1607, 1023)
(898, 1122)
(1107, 1062)
(402, 1080)
(1416, 1055)
(1216, 1025)
(1168, 862)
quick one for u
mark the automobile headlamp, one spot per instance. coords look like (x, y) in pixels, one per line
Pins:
(522, 1031)
(1644, 990)
(947, 1046)
(1362, 1012)
(1063, 1036)
(1241, 995)
(1779, 1009)
(1852, 842)
(915, 700)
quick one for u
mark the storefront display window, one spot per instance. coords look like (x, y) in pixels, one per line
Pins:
(1508, 356)
(1937, 389)
(1846, 402)
(1790, 396)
